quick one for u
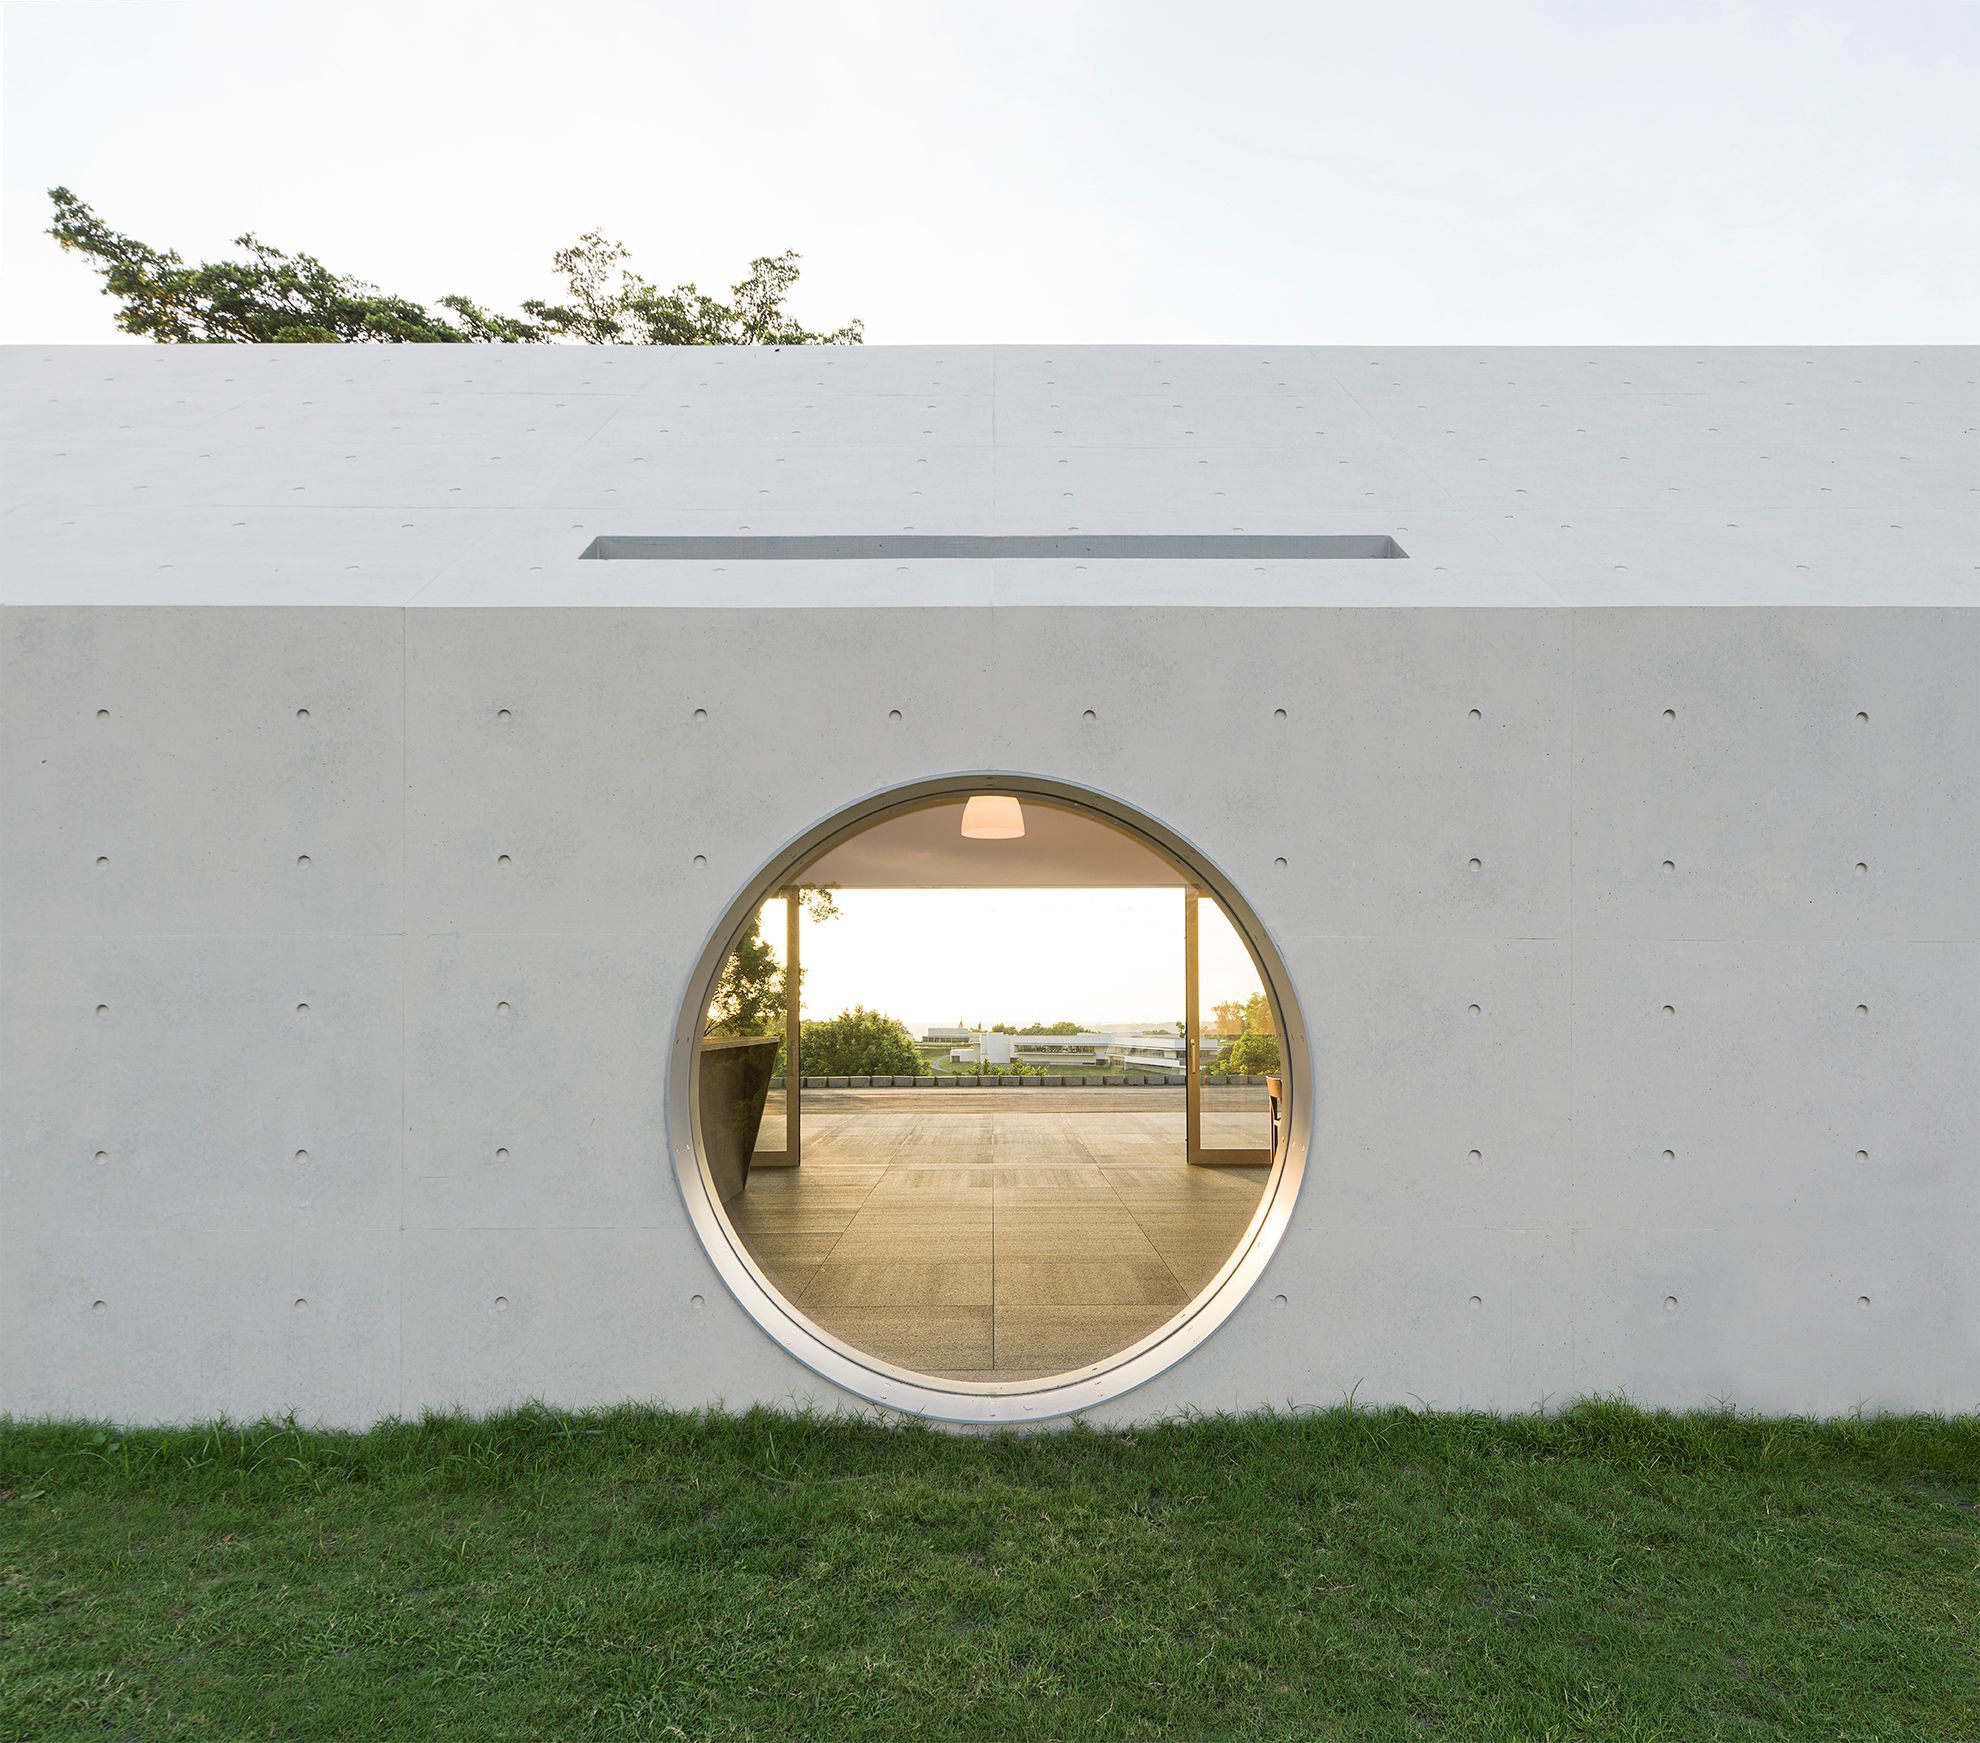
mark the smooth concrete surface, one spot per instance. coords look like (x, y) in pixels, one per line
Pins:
(1631, 895)
(478, 475)
(1583, 1123)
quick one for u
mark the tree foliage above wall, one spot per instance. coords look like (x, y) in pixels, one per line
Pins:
(273, 297)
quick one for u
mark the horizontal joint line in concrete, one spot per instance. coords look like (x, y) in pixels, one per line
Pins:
(692, 548)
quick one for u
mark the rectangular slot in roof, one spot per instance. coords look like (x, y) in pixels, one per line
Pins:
(852, 547)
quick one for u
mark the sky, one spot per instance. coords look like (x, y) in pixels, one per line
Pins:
(1074, 171)
(1104, 958)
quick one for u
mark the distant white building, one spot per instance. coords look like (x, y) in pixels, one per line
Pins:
(1116, 1050)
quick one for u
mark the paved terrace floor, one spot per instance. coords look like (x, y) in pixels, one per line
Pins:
(997, 1234)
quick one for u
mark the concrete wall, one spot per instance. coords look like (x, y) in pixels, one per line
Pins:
(1639, 948)
(475, 474)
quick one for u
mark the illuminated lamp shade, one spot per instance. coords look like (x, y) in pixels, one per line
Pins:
(993, 817)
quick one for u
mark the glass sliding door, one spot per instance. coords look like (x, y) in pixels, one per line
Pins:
(1232, 1042)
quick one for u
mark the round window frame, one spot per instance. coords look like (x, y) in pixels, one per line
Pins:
(987, 1403)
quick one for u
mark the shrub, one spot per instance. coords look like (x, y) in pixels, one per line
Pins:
(858, 1043)
(1250, 1055)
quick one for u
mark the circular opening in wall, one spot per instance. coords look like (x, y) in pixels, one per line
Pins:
(1049, 1109)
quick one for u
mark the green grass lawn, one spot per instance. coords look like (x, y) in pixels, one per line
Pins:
(1602, 1574)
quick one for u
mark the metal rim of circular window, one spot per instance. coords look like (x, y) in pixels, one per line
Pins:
(931, 1396)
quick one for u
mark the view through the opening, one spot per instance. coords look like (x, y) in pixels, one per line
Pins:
(995, 1161)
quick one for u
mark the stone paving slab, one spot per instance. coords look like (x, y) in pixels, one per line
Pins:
(994, 1234)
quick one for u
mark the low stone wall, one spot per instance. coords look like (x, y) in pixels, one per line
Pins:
(964, 1080)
